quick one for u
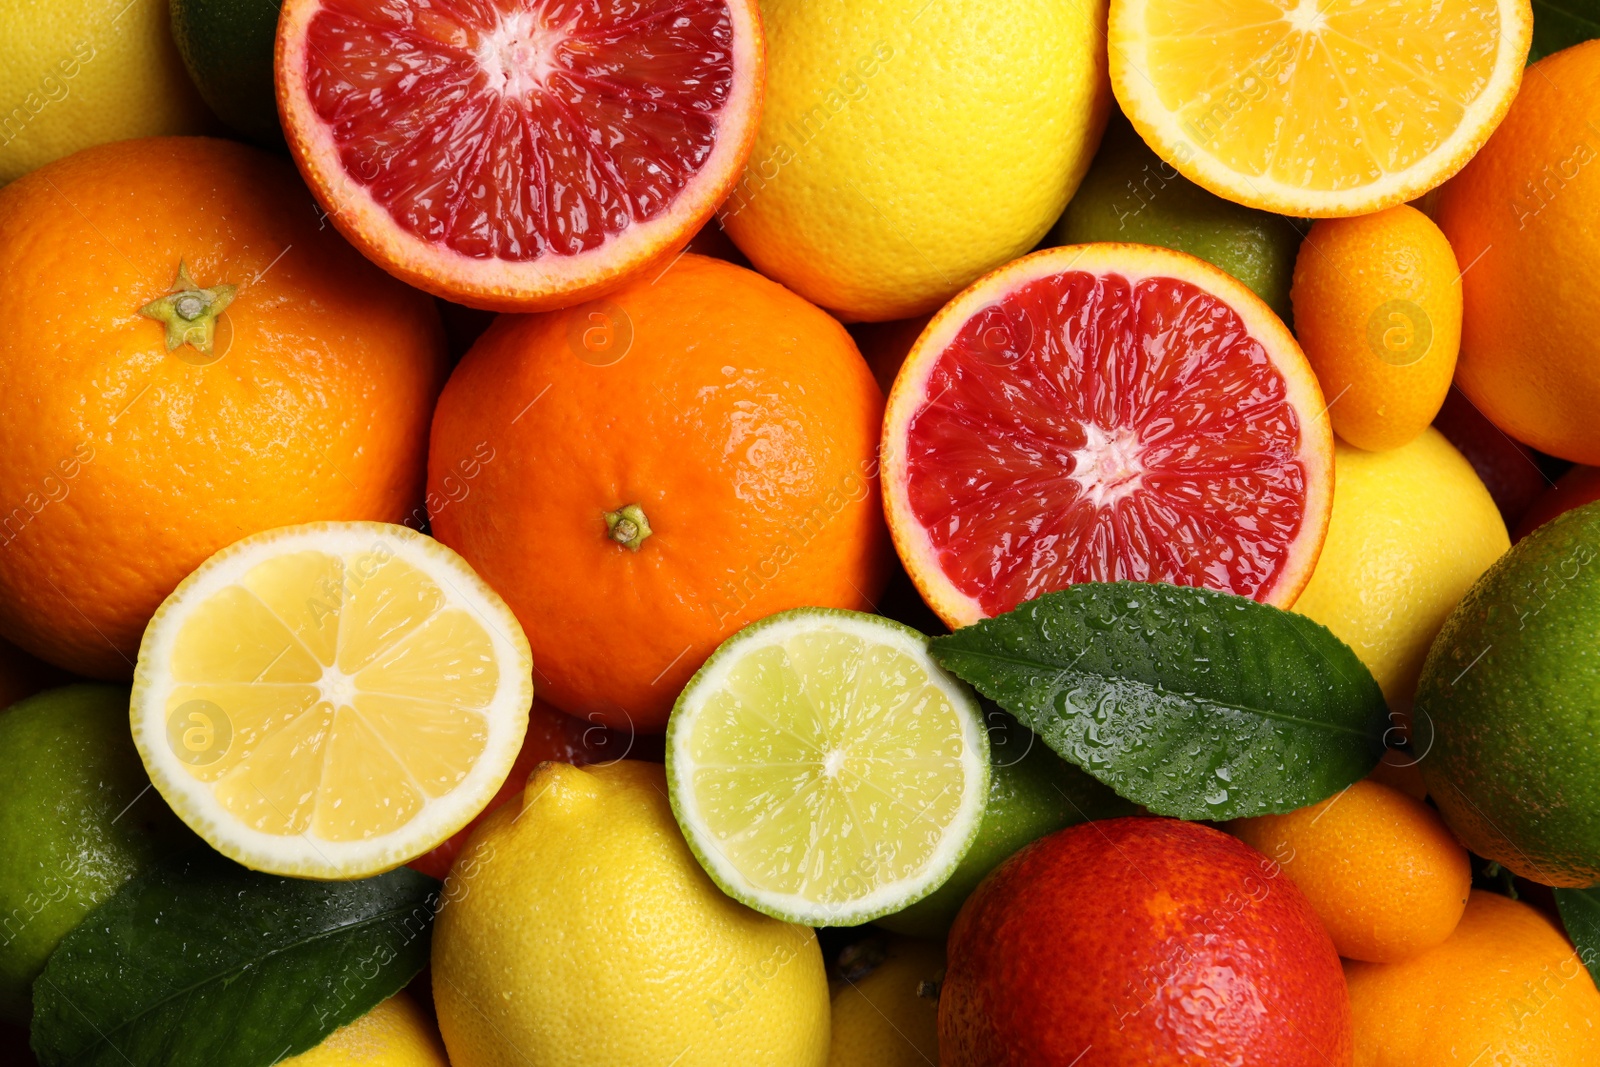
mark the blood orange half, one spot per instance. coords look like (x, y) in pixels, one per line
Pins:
(1105, 412)
(519, 155)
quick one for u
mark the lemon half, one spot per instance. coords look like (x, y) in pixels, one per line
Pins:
(331, 700)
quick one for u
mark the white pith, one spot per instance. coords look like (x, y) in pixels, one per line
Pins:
(1110, 465)
(519, 55)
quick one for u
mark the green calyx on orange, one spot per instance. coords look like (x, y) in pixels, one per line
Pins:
(189, 312)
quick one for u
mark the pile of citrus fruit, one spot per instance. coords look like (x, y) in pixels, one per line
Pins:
(802, 533)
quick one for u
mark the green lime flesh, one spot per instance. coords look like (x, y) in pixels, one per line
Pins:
(227, 47)
(1032, 792)
(1130, 194)
(824, 769)
(1508, 707)
(77, 820)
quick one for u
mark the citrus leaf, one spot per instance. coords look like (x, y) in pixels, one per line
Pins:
(1558, 24)
(1196, 704)
(1580, 914)
(202, 963)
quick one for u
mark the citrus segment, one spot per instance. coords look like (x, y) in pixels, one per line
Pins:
(1317, 107)
(824, 769)
(331, 700)
(516, 156)
(1100, 413)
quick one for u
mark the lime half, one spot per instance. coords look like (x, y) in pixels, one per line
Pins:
(824, 769)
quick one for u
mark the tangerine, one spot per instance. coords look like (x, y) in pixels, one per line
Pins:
(1379, 868)
(640, 477)
(187, 355)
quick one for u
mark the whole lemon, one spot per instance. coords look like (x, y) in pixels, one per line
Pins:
(397, 1033)
(886, 1007)
(1412, 529)
(578, 931)
(906, 148)
(75, 73)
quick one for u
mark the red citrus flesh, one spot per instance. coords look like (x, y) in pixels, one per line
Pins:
(519, 154)
(1100, 413)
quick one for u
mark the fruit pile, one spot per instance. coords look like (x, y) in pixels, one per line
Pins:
(696, 532)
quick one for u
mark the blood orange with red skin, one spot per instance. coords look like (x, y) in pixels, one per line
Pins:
(519, 155)
(1103, 412)
(1141, 942)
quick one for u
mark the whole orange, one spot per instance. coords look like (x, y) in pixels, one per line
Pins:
(642, 476)
(1505, 988)
(1524, 218)
(129, 462)
(1379, 868)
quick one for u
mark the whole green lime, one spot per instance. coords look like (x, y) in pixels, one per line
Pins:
(1131, 194)
(1032, 792)
(77, 819)
(227, 46)
(1510, 694)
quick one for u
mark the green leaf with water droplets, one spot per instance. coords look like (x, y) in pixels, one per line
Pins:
(1196, 704)
(201, 963)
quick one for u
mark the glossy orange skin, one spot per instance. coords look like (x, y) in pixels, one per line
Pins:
(1506, 989)
(1141, 942)
(741, 419)
(126, 465)
(1379, 867)
(1524, 219)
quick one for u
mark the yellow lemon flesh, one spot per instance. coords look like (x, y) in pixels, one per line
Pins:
(907, 148)
(1412, 529)
(331, 700)
(394, 1034)
(578, 931)
(1317, 107)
